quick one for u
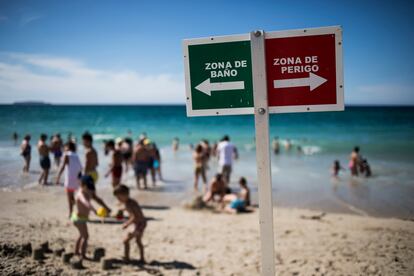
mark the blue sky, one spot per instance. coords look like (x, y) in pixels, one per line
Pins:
(130, 51)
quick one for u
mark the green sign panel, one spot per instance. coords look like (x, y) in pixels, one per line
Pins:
(218, 77)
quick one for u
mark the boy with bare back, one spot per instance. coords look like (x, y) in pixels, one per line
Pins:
(136, 220)
(140, 159)
(91, 163)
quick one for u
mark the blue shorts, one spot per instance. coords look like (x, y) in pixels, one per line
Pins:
(140, 168)
(45, 162)
(238, 204)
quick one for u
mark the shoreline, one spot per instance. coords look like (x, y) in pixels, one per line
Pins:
(175, 198)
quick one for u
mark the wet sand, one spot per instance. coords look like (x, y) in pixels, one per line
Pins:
(187, 242)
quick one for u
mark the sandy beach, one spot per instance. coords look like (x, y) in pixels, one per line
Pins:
(189, 242)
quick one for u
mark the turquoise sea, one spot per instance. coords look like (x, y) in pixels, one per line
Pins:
(384, 134)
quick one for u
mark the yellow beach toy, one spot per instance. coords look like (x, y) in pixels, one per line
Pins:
(101, 212)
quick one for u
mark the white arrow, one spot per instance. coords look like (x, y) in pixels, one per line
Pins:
(313, 81)
(206, 86)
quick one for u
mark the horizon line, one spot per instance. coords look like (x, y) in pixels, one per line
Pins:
(40, 103)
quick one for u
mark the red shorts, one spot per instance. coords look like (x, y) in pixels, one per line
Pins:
(70, 190)
(117, 172)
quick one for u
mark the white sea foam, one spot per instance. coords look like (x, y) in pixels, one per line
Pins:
(311, 150)
(103, 136)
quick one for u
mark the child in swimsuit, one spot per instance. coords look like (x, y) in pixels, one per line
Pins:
(73, 171)
(136, 220)
(80, 217)
(238, 203)
(336, 167)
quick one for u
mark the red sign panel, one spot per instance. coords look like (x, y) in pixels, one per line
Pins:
(304, 72)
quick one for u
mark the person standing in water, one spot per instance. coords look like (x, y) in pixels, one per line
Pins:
(91, 163)
(26, 152)
(151, 157)
(44, 159)
(157, 161)
(175, 144)
(276, 145)
(336, 168)
(140, 160)
(126, 150)
(199, 168)
(56, 148)
(226, 152)
(115, 168)
(354, 161)
(288, 145)
(15, 138)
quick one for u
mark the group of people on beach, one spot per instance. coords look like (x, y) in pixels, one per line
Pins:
(80, 181)
(143, 157)
(218, 190)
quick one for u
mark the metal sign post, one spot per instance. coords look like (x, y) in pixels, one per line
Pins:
(264, 177)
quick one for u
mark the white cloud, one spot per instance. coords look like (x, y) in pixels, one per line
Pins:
(61, 80)
(390, 93)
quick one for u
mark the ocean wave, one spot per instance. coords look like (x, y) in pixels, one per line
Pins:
(103, 136)
(311, 150)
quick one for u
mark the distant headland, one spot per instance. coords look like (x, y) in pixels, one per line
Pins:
(31, 103)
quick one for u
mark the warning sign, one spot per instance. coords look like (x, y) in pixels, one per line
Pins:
(304, 70)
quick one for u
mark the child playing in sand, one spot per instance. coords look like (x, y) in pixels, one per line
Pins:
(116, 164)
(80, 217)
(238, 203)
(136, 218)
(217, 189)
(73, 171)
